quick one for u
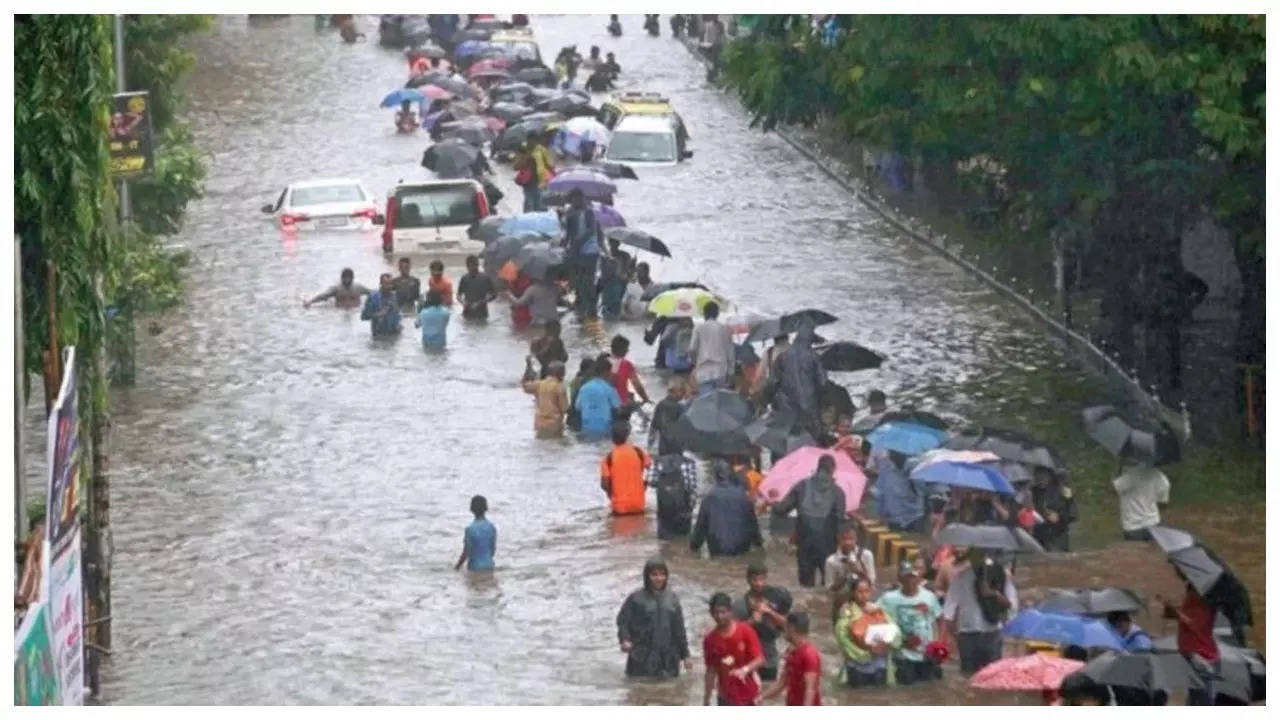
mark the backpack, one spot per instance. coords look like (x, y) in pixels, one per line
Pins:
(674, 499)
(991, 575)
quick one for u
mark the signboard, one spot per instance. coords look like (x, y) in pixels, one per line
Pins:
(63, 457)
(35, 681)
(130, 141)
(66, 615)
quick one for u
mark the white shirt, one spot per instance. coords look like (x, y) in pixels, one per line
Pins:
(712, 350)
(1141, 489)
(837, 572)
(961, 606)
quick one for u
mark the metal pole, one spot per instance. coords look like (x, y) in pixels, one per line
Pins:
(126, 211)
(19, 402)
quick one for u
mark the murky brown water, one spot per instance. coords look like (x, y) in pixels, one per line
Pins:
(290, 495)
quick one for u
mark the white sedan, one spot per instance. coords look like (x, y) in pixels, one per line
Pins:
(336, 203)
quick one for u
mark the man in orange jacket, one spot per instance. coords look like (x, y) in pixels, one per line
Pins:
(622, 473)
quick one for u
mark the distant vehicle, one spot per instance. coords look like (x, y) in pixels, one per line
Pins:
(640, 103)
(434, 216)
(518, 44)
(647, 140)
(401, 31)
(333, 203)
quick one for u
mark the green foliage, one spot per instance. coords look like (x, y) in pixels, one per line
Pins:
(156, 60)
(160, 201)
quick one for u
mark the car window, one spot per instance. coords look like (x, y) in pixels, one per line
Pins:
(609, 116)
(326, 194)
(642, 147)
(280, 200)
(440, 205)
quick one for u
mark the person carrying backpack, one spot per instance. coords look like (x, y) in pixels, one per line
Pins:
(979, 599)
(674, 478)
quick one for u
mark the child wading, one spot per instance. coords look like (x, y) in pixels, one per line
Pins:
(479, 540)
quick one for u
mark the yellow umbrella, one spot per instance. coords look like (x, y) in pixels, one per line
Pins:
(681, 302)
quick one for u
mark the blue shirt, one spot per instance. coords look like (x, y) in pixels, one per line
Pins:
(480, 540)
(388, 324)
(899, 501)
(1137, 640)
(596, 402)
(433, 321)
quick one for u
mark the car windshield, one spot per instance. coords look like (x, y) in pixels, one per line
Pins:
(321, 194)
(441, 205)
(519, 50)
(642, 147)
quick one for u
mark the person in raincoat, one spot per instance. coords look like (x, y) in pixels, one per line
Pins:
(651, 627)
(820, 505)
(726, 517)
(1053, 500)
(796, 382)
(533, 169)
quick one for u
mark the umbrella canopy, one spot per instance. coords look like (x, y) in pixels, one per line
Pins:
(541, 75)
(657, 289)
(1120, 437)
(402, 95)
(1028, 673)
(1172, 539)
(516, 92)
(458, 87)
(684, 302)
(714, 423)
(487, 229)
(488, 74)
(508, 111)
(1143, 671)
(1087, 632)
(836, 396)
(1244, 670)
(537, 259)
(1009, 445)
(596, 186)
(608, 217)
(496, 63)
(907, 438)
(429, 77)
(429, 51)
(546, 223)
(1208, 573)
(777, 432)
(789, 323)
(467, 35)
(849, 357)
(469, 47)
(962, 474)
(802, 463)
(614, 170)
(450, 158)
(569, 103)
(1092, 602)
(638, 239)
(503, 250)
(476, 133)
(989, 537)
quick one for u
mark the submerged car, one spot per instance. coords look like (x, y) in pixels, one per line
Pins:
(647, 140)
(332, 203)
(434, 216)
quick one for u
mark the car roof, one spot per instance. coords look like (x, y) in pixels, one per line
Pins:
(512, 35)
(645, 123)
(325, 182)
(435, 183)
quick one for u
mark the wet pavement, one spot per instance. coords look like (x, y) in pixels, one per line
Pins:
(290, 494)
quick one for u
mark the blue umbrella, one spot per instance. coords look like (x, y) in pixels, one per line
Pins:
(471, 47)
(403, 95)
(963, 474)
(546, 223)
(906, 438)
(1059, 629)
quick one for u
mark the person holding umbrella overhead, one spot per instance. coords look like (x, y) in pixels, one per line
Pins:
(581, 236)
(820, 506)
(1142, 488)
(979, 598)
(1196, 641)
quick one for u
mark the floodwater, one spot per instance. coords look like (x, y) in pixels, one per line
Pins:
(290, 494)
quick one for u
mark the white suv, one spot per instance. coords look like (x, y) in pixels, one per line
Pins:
(434, 216)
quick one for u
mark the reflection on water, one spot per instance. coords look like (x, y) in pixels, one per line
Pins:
(290, 494)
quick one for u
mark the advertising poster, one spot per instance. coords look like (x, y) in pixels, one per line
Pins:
(66, 613)
(34, 680)
(130, 142)
(63, 458)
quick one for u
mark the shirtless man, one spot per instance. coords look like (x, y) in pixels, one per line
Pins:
(345, 294)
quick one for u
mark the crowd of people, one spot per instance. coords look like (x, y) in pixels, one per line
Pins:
(899, 630)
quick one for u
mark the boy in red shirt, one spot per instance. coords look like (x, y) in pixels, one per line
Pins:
(624, 372)
(802, 667)
(441, 284)
(733, 654)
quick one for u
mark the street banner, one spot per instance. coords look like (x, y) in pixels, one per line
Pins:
(66, 611)
(130, 142)
(35, 681)
(63, 460)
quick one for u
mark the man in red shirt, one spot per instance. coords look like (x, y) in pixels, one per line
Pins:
(624, 372)
(1196, 641)
(733, 654)
(802, 667)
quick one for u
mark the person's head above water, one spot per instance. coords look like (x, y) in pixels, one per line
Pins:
(620, 432)
(347, 276)
(827, 463)
(473, 263)
(404, 266)
(909, 577)
(556, 370)
(757, 576)
(619, 346)
(437, 269)
(655, 575)
(876, 401)
(711, 310)
(675, 387)
(722, 610)
(1119, 620)
(434, 298)
(384, 281)
(479, 506)
(848, 537)
(577, 199)
(595, 51)
(642, 272)
(604, 368)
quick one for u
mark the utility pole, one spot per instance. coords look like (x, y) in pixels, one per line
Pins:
(20, 521)
(122, 85)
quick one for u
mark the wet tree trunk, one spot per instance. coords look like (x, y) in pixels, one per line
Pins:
(97, 537)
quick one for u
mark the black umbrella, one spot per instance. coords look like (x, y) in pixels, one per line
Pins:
(515, 92)
(778, 433)
(490, 24)
(657, 289)
(1209, 574)
(849, 357)
(989, 537)
(1092, 602)
(430, 77)
(489, 229)
(868, 423)
(497, 253)
(789, 323)
(1120, 437)
(1147, 672)
(471, 33)
(1244, 670)
(476, 133)
(461, 88)
(540, 75)
(508, 112)
(450, 158)
(565, 103)
(538, 258)
(1008, 445)
(834, 395)
(428, 51)
(715, 423)
(614, 170)
(638, 239)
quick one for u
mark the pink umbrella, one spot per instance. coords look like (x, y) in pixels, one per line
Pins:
(1026, 673)
(494, 124)
(960, 456)
(802, 463)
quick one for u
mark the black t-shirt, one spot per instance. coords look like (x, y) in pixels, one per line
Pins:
(407, 289)
(475, 288)
(780, 599)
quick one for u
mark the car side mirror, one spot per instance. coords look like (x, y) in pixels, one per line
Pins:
(379, 219)
(268, 208)
(686, 154)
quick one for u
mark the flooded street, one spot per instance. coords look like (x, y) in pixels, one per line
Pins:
(290, 494)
